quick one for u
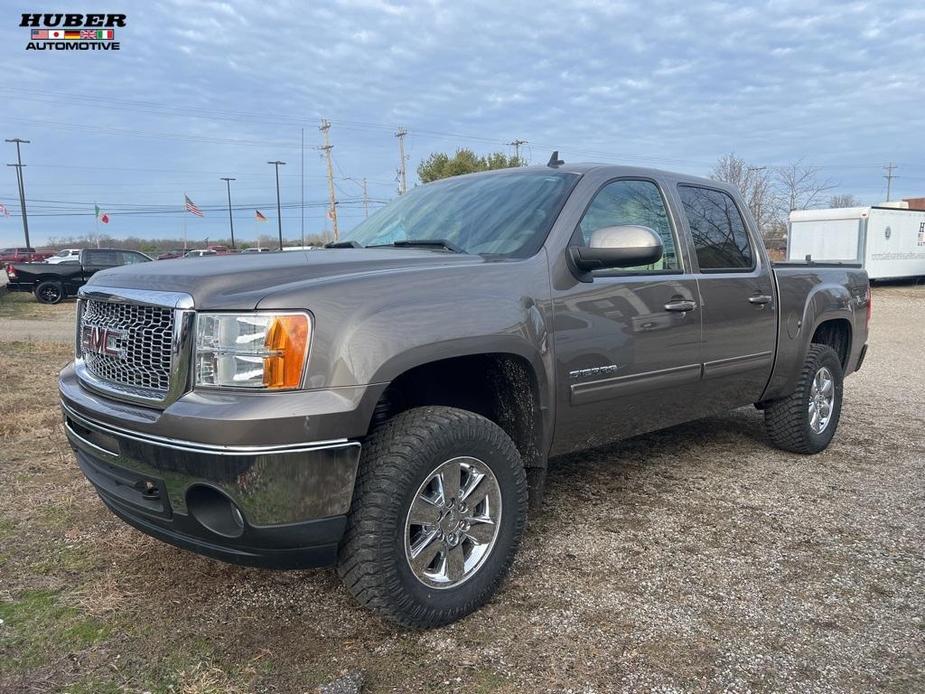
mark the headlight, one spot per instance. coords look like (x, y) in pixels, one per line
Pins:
(251, 350)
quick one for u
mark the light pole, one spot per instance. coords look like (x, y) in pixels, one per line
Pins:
(230, 219)
(279, 216)
(22, 187)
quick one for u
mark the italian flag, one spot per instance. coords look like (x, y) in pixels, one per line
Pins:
(100, 215)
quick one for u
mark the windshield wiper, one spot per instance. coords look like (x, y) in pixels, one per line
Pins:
(436, 243)
(343, 244)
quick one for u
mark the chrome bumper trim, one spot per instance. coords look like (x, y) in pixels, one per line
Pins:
(194, 447)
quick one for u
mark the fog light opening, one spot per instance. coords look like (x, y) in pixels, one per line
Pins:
(215, 511)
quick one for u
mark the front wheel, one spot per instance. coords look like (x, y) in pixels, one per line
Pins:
(806, 420)
(49, 292)
(438, 511)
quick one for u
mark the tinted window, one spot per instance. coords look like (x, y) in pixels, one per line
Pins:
(718, 231)
(105, 258)
(632, 202)
(506, 213)
(129, 257)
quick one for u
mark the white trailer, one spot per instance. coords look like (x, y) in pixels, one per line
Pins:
(887, 241)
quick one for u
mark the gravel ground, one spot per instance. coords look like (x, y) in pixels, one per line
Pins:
(696, 558)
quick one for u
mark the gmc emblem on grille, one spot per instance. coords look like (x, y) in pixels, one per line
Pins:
(108, 342)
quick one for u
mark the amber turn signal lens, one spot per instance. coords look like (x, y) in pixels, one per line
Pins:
(287, 343)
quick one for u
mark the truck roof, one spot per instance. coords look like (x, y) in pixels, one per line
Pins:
(617, 170)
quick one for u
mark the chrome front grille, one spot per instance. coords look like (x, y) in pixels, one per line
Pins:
(140, 344)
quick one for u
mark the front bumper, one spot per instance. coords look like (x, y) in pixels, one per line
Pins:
(279, 506)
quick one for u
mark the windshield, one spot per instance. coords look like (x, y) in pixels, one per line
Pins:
(505, 214)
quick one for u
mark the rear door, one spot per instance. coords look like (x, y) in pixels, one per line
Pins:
(737, 302)
(627, 343)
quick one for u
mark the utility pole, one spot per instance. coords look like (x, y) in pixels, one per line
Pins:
(362, 182)
(332, 199)
(22, 187)
(516, 145)
(889, 178)
(302, 186)
(230, 219)
(402, 176)
(279, 212)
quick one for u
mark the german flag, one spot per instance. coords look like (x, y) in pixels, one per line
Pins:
(72, 35)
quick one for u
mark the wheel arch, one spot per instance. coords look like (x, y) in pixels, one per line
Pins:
(504, 387)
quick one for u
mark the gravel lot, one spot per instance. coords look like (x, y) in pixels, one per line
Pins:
(692, 559)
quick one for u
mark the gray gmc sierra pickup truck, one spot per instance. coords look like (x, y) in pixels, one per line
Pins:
(388, 404)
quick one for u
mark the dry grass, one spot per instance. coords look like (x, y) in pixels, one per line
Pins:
(692, 559)
(24, 306)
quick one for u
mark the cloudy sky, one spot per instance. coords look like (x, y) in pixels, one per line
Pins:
(206, 89)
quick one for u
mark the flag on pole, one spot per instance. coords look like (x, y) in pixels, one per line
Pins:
(192, 208)
(5, 212)
(100, 215)
(260, 217)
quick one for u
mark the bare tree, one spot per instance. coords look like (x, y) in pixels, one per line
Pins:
(801, 186)
(755, 184)
(844, 200)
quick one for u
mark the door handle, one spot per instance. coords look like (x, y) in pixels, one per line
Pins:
(760, 299)
(682, 306)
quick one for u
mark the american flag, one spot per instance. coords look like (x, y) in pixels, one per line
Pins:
(6, 213)
(191, 207)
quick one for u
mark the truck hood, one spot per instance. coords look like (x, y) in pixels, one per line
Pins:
(241, 281)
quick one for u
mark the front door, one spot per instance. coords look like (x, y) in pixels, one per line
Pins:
(739, 310)
(627, 343)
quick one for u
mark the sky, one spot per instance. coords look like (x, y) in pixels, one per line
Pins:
(201, 90)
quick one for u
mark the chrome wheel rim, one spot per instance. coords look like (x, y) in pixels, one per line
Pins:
(452, 523)
(821, 400)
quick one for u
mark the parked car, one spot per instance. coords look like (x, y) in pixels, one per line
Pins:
(52, 283)
(22, 255)
(64, 255)
(389, 403)
(256, 250)
(172, 253)
(200, 253)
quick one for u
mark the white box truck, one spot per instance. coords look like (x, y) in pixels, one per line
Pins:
(887, 240)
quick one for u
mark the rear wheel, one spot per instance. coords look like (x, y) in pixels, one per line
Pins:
(438, 511)
(805, 422)
(49, 292)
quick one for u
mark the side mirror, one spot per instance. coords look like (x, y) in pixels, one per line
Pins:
(627, 245)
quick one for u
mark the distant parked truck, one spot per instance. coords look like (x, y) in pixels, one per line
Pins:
(65, 255)
(887, 240)
(22, 255)
(52, 283)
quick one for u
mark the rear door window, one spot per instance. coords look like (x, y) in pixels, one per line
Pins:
(717, 229)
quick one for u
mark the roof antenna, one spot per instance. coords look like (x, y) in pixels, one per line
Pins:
(554, 160)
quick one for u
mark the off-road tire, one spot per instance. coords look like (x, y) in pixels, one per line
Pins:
(396, 459)
(49, 292)
(787, 420)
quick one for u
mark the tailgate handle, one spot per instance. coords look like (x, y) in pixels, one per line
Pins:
(760, 299)
(682, 306)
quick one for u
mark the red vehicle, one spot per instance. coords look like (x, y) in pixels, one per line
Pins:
(23, 255)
